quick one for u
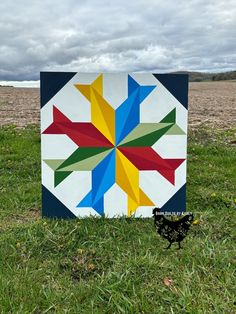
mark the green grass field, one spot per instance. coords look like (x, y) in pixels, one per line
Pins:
(117, 266)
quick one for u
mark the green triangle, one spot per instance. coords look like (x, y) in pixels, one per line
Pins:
(170, 117)
(82, 153)
(175, 130)
(143, 129)
(53, 163)
(59, 176)
(148, 139)
(86, 164)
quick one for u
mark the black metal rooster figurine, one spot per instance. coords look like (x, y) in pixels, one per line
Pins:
(173, 231)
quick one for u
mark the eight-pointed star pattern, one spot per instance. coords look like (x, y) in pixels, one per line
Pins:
(114, 146)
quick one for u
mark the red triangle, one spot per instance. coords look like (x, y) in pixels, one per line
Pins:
(58, 116)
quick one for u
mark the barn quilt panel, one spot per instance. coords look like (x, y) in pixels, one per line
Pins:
(113, 144)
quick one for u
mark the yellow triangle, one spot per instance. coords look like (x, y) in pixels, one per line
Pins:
(144, 199)
(85, 90)
(103, 116)
(98, 85)
(127, 176)
(132, 206)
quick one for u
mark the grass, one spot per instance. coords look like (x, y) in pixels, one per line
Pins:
(117, 266)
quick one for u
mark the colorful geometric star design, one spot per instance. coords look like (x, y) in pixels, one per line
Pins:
(114, 146)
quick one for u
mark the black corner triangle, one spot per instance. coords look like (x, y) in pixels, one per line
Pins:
(51, 83)
(52, 207)
(177, 85)
(177, 203)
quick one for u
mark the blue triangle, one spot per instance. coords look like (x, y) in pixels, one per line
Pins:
(103, 176)
(122, 113)
(99, 206)
(177, 85)
(52, 207)
(131, 120)
(86, 201)
(177, 203)
(132, 85)
(51, 83)
(144, 91)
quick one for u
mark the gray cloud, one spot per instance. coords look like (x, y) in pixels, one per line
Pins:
(97, 35)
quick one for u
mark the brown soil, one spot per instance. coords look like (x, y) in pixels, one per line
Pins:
(210, 103)
(19, 106)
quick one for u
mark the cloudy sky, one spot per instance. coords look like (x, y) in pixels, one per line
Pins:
(124, 35)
